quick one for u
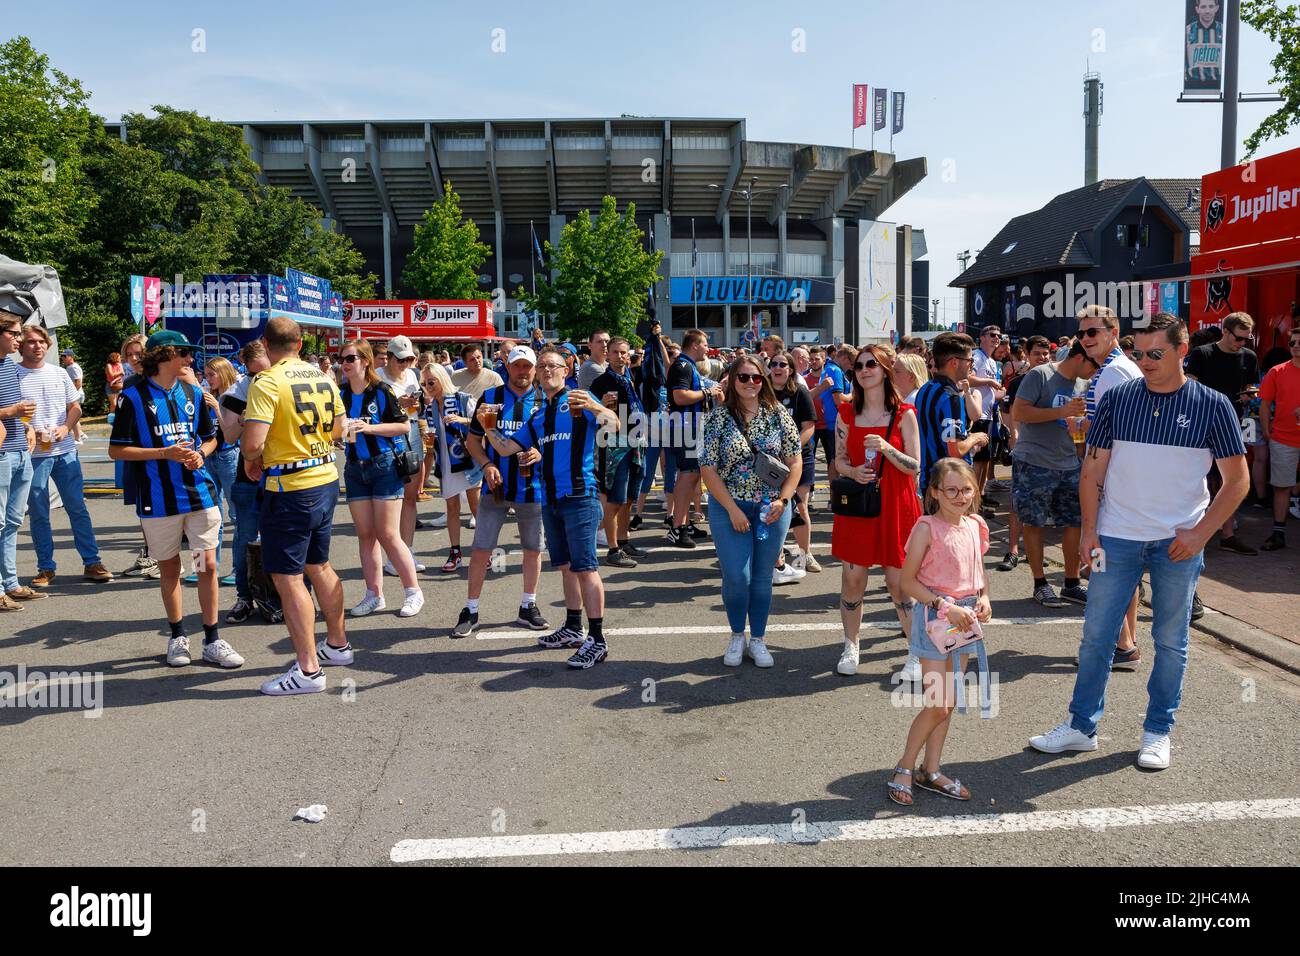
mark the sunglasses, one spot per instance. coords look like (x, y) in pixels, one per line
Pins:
(1240, 338)
(1091, 333)
(866, 364)
(748, 378)
(1154, 355)
(778, 365)
(184, 352)
(349, 359)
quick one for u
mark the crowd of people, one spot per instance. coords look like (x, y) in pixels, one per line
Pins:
(568, 443)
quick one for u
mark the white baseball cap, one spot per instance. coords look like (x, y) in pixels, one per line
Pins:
(522, 352)
(400, 347)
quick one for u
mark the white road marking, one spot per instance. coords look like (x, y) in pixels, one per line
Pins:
(885, 624)
(892, 828)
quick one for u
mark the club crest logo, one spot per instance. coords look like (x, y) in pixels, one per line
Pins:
(1215, 212)
(373, 408)
(1218, 290)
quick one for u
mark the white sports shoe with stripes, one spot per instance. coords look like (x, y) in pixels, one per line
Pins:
(294, 681)
(333, 656)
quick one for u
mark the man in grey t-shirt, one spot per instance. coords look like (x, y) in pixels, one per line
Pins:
(1049, 410)
(598, 364)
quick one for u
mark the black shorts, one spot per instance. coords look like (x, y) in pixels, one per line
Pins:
(296, 528)
(826, 438)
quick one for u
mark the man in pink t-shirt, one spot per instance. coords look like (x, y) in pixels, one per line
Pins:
(1279, 420)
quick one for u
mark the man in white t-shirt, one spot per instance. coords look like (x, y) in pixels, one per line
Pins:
(398, 372)
(1099, 333)
(475, 378)
(985, 379)
(1167, 425)
(55, 459)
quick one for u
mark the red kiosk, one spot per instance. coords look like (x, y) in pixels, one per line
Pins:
(421, 320)
(1250, 247)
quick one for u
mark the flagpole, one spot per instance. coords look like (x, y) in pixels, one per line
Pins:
(695, 275)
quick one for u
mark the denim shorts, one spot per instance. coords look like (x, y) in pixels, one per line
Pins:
(921, 646)
(296, 528)
(571, 525)
(620, 475)
(1045, 496)
(370, 478)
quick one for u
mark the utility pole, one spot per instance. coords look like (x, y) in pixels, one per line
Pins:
(1232, 23)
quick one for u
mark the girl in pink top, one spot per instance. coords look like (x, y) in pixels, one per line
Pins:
(944, 571)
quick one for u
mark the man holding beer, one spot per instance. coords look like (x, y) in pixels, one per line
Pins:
(509, 481)
(15, 464)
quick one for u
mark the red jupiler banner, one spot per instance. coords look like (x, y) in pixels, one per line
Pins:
(1257, 201)
(419, 318)
(859, 104)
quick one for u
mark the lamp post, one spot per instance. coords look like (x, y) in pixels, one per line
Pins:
(749, 195)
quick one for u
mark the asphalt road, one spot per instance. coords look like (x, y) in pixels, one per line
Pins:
(434, 750)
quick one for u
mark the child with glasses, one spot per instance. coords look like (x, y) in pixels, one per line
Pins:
(944, 572)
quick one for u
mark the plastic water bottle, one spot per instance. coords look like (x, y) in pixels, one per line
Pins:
(869, 460)
(762, 531)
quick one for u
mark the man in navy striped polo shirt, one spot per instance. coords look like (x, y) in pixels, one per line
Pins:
(941, 407)
(15, 461)
(505, 486)
(1153, 441)
(165, 431)
(564, 430)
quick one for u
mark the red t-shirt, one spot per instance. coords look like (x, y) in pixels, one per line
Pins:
(812, 380)
(1282, 386)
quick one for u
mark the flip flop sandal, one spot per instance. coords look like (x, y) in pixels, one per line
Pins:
(897, 790)
(954, 790)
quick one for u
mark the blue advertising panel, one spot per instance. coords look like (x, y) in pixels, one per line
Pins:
(308, 294)
(767, 290)
(1169, 297)
(334, 307)
(137, 298)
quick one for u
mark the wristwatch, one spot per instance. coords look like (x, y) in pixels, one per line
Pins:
(785, 502)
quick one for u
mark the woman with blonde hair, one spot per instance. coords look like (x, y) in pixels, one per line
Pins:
(910, 374)
(219, 377)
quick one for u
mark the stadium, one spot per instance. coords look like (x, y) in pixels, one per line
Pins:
(808, 222)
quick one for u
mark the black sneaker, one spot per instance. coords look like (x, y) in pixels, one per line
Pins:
(1075, 595)
(696, 532)
(466, 624)
(1276, 542)
(680, 538)
(564, 637)
(668, 522)
(1126, 658)
(1009, 562)
(632, 551)
(617, 559)
(1046, 596)
(531, 618)
(1236, 546)
(589, 654)
(270, 613)
(1198, 609)
(634, 523)
(240, 613)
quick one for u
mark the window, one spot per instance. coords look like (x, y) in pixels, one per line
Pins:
(411, 142)
(343, 144)
(579, 139)
(283, 144)
(460, 140)
(520, 139)
(1008, 248)
(701, 141)
(637, 139)
(1126, 234)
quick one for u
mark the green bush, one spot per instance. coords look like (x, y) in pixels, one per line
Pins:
(92, 337)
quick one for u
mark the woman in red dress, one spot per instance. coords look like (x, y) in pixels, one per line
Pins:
(876, 438)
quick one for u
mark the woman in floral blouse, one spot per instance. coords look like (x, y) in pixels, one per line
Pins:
(748, 518)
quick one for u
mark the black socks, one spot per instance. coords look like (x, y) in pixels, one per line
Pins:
(1071, 582)
(178, 628)
(1039, 582)
(596, 629)
(210, 633)
(573, 619)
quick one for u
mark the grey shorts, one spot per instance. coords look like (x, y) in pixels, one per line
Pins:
(492, 516)
(1282, 463)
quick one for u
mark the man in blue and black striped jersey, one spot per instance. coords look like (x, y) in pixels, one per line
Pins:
(563, 428)
(509, 481)
(164, 431)
(941, 407)
(1150, 446)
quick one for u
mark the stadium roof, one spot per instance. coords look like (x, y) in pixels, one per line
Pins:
(522, 169)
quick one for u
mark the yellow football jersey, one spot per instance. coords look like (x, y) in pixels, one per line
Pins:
(299, 402)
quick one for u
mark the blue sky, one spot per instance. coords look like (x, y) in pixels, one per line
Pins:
(994, 87)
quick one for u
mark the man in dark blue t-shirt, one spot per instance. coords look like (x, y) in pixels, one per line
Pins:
(941, 407)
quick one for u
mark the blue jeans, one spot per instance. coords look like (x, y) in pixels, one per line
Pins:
(65, 471)
(222, 469)
(571, 525)
(15, 482)
(1109, 592)
(244, 505)
(747, 564)
(653, 454)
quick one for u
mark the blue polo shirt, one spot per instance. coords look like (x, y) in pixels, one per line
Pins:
(568, 447)
(149, 417)
(515, 411)
(830, 412)
(941, 417)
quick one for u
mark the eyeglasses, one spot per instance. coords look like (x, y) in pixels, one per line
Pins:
(866, 364)
(748, 378)
(1154, 355)
(13, 331)
(552, 367)
(778, 365)
(349, 359)
(1090, 333)
(965, 491)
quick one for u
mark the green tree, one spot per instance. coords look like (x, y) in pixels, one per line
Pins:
(93, 336)
(45, 200)
(448, 254)
(603, 272)
(1282, 26)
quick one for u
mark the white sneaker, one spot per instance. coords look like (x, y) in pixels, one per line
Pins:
(412, 605)
(219, 652)
(1295, 508)
(333, 656)
(784, 575)
(848, 665)
(1154, 754)
(392, 571)
(294, 682)
(810, 563)
(602, 540)
(911, 672)
(178, 651)
(757, 649)
(1061, 738)
(369, 604)
(473, 522)
(438, 521)
(735, 651)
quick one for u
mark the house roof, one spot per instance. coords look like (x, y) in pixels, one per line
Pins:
(1060, 233)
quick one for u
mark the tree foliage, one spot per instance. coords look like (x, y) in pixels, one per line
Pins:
(448, 254)
(1281, 24)
(602, 276)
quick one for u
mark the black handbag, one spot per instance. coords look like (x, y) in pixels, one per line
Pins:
(771, 471)
(852, 499)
